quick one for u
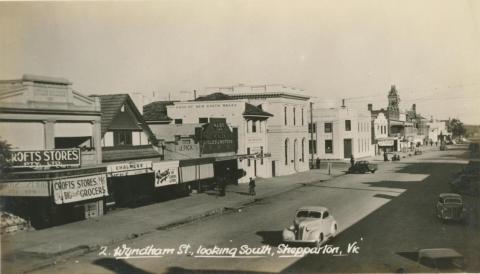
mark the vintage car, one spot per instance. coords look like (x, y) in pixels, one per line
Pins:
(444, 259)
(466, 184)
(450, 207)
(362, 167)
(312, 224)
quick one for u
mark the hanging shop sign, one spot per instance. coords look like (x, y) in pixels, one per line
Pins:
(129, 169)
(25, 189)
(166, 173)
(385, 143)
(254, 156)
(45, 158)
(69, 190)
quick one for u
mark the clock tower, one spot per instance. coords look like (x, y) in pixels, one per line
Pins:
(393, 108)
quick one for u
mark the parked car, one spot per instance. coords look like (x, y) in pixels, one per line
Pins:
(418, 152)
(450, 207)
(466, 184)
(444, 259)
(312, 224)
(362, 167)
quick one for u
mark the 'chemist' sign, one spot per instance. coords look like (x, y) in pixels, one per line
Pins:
(45, 158)
(69, 190)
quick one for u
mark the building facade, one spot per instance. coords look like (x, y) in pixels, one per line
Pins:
(286, 130)
(340, 133)
(248, 121)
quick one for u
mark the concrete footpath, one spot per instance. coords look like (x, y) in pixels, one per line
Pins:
(28, 250)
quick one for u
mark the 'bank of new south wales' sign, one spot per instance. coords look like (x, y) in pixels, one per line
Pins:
(45, 158)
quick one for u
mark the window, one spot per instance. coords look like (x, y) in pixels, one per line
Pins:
(348, 125)
(303, 150)
(328, 127)
(178, 121)
(310, 127)
(286, 151)
(325, 215)
(261, 153)
(294, 116)
(254, 126)
(312, 145)
(202, 120)
(302, 117)
(285, 114)
(122, 109)
(248, 153)
(122, 137)
(328, 146)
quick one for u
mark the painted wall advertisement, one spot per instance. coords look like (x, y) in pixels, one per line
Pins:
(166, 173)
(217, 137)
(69, 190)
(45, 158)
(129, 169)
(25, 189)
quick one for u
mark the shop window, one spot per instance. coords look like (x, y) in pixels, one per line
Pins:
(312, 146)
(328, 146)
(178, 121)
(328, 127)
(203, 120)
(122, 137)
(348, 125)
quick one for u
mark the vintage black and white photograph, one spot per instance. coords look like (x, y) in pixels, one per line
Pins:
(240, 136)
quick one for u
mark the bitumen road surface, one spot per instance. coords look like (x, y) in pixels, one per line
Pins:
(384, 217)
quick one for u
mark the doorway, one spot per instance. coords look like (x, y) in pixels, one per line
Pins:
(347, 148)
(273, 168)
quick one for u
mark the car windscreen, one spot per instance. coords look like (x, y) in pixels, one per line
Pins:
(453, 201)
(309, 214)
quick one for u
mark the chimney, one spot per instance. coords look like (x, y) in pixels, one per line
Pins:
(414, 107)
(370, 107)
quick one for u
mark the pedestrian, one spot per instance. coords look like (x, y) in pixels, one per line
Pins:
(436, 143)
(251, 186)
(352, 160)
(318, 163)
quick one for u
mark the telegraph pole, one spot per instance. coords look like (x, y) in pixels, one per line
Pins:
(311, 132)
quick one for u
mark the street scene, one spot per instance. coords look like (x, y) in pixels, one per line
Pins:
(240, 137)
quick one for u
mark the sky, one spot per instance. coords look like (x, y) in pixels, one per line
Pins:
(352, 49)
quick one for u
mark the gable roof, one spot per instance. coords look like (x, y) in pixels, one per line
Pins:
(157, 111)
(110, 108)
(251, 110)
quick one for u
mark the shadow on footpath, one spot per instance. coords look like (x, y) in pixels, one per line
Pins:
(119, 266)
(272, 238)
(181, 270)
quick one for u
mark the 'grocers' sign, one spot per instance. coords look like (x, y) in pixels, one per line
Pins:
(46, 158)
(69, 190)
(25, 189)
(166, 173)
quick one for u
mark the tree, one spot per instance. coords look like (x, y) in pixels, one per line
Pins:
(5, 153)
(456, 127)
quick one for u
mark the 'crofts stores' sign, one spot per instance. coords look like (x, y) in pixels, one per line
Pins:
(45, 158)
(217, 137)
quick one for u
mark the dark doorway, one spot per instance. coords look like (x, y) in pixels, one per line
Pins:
(347, 148)
(273, 168)
(226, 169)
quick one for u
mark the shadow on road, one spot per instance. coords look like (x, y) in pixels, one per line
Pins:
(181, 270)
(272, 238)
(119, 266)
